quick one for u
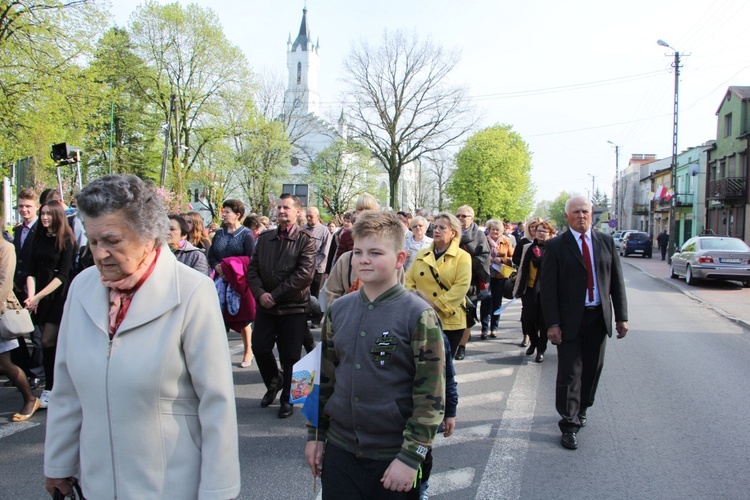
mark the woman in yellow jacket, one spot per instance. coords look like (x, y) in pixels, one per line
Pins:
(442, 271)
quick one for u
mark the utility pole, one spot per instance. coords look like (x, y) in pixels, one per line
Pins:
(673, 168)
(593, 182)
(616, 200)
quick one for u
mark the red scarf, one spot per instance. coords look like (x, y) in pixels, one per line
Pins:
(121, 292)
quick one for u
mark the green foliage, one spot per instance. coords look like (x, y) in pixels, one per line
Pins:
(342, 172)
(492, 175)
(557, 210)
(600, 200)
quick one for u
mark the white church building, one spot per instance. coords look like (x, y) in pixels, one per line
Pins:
(309, 132)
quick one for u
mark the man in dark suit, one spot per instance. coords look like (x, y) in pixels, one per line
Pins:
(581, 283)
(23, 234)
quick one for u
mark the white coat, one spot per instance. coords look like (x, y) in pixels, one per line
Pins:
(155, 418)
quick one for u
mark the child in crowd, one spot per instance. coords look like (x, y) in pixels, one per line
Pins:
(382, 383)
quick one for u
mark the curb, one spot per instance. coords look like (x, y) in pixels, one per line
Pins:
(668, 282)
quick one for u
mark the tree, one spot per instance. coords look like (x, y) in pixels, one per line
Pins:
(401, 104)
(341, 172)
(122, 117)
(492, 175)
(192, 59)
(600, 199)
(557, 210)
(440, 165)
(41, 86)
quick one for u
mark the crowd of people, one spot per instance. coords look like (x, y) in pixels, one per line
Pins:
(166, 378)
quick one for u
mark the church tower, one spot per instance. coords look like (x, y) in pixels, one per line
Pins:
(303, 63)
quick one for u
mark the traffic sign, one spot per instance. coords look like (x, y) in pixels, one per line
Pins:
(612, 223)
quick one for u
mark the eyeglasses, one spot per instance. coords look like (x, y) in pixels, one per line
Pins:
(540, 230)
(463, 216)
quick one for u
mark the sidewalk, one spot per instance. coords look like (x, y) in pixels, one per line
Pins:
(727, 298)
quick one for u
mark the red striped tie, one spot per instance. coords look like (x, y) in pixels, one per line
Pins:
(589, 271)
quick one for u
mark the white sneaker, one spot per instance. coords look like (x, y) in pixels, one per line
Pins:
(44, 399)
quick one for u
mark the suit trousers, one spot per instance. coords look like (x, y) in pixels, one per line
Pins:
(579, 366)
(287, 332)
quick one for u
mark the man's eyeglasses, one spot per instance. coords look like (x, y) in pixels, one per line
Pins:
(462, 216)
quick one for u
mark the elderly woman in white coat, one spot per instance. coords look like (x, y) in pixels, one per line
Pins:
(143, 403)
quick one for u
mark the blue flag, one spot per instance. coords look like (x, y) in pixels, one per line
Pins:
(306, 384)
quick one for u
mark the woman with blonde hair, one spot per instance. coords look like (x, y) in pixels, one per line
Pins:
(442, 271)
(197, 232)
(365, 201)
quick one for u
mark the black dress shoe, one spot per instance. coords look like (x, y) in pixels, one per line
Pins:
(582, 419)
(286, 410)
(530, 350)
(460, 353)
(569, 440)
(269, 397)
(539, 357)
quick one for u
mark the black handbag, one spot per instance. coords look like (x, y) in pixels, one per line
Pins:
(77, 492)
(509, 285)
(469, 307)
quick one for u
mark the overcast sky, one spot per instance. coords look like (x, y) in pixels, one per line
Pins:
(568, 76)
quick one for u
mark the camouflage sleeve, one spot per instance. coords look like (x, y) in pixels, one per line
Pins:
(428, 392)
(328, 363)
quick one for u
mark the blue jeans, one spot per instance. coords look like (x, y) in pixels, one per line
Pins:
(491, 304)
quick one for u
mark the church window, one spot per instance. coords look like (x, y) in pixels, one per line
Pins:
(299, 73)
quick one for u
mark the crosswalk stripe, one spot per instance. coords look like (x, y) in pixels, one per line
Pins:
(463, 435)
(484, 375)
(447, 482)
(502, 475)
(13, 427)
(480, 399)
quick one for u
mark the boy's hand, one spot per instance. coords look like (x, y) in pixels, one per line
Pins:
(314, 457)
(449, 425)
(398, 476)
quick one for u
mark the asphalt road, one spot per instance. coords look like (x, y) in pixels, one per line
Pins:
(670, 420)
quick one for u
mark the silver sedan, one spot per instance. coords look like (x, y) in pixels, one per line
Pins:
(714, 258)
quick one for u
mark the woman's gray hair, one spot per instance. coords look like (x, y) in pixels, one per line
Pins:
(142, 208)
(494, 224)
(418, 219)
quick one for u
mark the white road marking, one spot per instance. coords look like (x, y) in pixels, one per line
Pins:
(447, 482)
(463, 435)
(502, 475)
(12, 427)
(480, 399)
(484, 375)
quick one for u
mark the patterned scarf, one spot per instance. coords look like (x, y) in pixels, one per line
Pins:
(121, 291)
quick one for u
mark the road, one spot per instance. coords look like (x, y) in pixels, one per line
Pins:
(670, 420)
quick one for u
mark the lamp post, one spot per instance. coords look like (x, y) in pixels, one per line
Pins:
(673, 168)
(615, 205)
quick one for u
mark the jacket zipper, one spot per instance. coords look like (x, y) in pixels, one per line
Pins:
(109, 418)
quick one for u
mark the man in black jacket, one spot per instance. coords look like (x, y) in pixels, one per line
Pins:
(280, 275)
(581, 284)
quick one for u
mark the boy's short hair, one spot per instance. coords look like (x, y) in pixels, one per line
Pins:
(27, 194)
(382, 225)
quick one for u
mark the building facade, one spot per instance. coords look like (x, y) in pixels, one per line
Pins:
(726, 187)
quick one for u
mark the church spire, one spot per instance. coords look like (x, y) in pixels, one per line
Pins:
(304, 33)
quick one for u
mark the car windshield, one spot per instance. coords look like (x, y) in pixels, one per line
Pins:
(728, 244)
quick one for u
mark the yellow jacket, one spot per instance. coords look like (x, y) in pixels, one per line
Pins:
(453, 269)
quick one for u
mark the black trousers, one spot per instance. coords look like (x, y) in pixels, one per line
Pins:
(579, 366)
(454, 339)
(346, 477)
(315, 285)
(532, 320)
(286, 332)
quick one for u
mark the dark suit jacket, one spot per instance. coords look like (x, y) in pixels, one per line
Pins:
(563, 282)
(23, 255)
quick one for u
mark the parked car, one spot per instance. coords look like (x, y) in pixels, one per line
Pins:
(638, 243)
(622, 239)
(712, 258)
(617, 237)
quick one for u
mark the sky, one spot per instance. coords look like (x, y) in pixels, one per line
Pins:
(567, 76)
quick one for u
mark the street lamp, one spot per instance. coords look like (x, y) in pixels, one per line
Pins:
(673, 168)
(615, 202)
